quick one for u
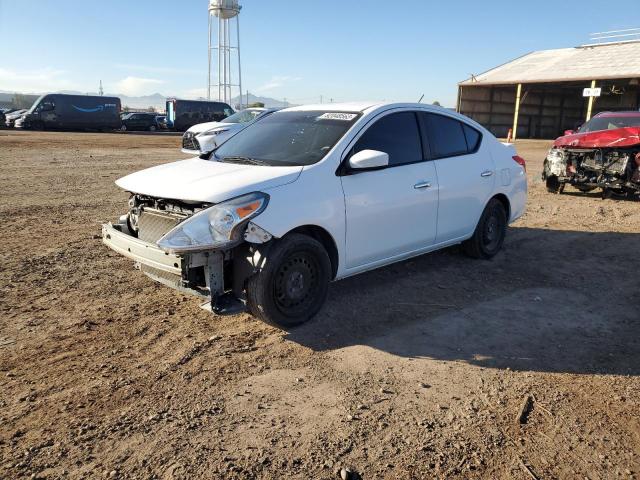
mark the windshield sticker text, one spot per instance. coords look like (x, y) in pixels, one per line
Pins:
(338, 116)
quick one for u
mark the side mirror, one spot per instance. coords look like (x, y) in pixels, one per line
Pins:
(569, 132)
(368, 159)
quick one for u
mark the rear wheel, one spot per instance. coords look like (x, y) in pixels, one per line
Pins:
(489, 234)
(152, 128)
(293, 285)
(123, 128)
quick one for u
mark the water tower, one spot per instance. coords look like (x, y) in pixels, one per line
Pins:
(225, 49)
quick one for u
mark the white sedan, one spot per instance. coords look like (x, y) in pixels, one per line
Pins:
(318, 193)
(204, 137)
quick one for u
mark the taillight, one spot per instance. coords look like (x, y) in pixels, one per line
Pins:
(520, 161)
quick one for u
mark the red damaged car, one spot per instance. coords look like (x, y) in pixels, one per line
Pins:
(604, 153)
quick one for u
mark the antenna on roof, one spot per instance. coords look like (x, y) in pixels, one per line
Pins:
(420, 101)
(616, 36)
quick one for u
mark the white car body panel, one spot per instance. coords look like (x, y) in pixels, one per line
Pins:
(197, 180)
(463, 191)
(374, 217)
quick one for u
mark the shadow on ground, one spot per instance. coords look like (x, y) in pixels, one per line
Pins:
(553, 301)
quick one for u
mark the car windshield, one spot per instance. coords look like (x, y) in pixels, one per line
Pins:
(610, 123)
(287, 138)
(245, 116)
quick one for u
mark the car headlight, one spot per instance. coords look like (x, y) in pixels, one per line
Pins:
(214, 227)
(214, 131)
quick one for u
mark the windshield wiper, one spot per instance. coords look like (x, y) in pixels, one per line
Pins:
(243, 160)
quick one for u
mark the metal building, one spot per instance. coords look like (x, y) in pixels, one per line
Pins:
(541, 94)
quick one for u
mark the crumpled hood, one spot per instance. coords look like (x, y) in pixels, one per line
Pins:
(197, 180)
(617, 137)
(203, 127)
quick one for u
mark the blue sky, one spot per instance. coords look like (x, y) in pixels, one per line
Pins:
(298, 49)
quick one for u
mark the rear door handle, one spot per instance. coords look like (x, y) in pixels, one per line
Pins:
(486, 173)
(420, 185)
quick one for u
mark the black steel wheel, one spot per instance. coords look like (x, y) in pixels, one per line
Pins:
(293, 285)
(488, 237)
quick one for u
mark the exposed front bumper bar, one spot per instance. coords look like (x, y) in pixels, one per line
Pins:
(140, 251)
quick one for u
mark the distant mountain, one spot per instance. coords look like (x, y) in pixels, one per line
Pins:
(158, 100)
(268, 102)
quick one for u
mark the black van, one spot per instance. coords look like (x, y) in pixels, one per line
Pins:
(183, 114)
(73, 112)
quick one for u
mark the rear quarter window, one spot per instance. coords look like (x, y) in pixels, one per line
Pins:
(473, 136)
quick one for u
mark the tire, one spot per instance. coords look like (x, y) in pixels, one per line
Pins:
(489, 234)
(123, 128)
(292, 286)
(152, 128)
(553, 184)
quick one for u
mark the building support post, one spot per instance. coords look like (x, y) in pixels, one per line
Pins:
(515, 114)
(591, 99)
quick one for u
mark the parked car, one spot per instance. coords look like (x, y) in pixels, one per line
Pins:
(73, 112)
(183, 114)
(604, 153)
(161, 120)
(140, 121)
(11, 118)
(318, 193)
(204, 137)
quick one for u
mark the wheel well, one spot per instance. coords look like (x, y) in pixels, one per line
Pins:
(327, 241)
(505, 203)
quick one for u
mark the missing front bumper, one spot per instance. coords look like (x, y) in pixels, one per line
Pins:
(218, 275)
(140, 251)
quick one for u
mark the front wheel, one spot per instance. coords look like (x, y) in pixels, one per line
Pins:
(123, 128)
(152, 128)
(489, 234)
(292, 286)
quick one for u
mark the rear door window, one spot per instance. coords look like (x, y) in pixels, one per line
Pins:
(396, 134)
(446, 136)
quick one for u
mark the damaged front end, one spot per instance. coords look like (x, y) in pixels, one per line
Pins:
(615, 170)
(208, 250)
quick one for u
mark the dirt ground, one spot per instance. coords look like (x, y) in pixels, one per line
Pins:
(417, 370)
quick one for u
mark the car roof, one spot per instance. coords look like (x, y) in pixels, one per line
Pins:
(338, 107)
(631, 113)
(363, 107)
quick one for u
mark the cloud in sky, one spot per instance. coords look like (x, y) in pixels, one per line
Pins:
(134, 86)
(159, 70)
(276, 82)
(34, 81)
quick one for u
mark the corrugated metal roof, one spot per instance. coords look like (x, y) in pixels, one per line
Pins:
(591, 62)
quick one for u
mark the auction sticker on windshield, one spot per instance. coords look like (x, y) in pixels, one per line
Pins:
(338, 116)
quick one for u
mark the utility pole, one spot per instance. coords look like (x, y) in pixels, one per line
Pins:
(100, 90)
(320, 98)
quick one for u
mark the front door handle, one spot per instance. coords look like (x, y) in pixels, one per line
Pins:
(420, 185)
(486, 173)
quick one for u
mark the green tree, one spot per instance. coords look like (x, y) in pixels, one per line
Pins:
(256, 105)
(436, 103)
